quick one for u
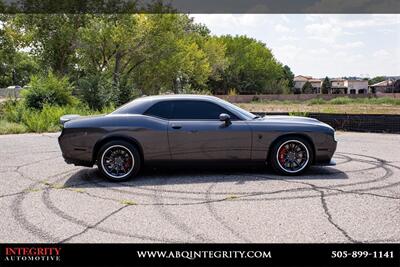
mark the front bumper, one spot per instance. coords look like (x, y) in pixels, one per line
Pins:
(331, 162)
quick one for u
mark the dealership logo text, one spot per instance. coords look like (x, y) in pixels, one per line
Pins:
(32, 254)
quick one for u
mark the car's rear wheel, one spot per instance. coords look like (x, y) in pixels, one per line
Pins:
(118, 161)
(291, 156)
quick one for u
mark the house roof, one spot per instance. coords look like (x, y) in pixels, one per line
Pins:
(358, 81)
(382, 83)
(302, 78)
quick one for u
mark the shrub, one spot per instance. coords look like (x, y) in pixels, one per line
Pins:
(307, 88)
(7, 127)
(95, 91)
(47, 119)
(12, 110)
(382, 101)
(232, 92)
(341, 101)
(188, 89)
(317, 101)
(48, 89)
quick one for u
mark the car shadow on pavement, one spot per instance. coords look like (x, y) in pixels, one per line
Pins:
(190, 175)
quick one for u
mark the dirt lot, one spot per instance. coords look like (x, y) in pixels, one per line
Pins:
(325, 108)
(42, 199)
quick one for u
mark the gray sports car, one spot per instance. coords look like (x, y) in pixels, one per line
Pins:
(196, 129)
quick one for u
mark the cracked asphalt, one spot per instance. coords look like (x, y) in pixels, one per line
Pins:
(42, 199)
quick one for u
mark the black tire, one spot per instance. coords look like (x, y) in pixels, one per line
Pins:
(278, 159)
(122, 156)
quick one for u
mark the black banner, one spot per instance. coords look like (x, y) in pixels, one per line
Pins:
(200, 255)
(202, 6)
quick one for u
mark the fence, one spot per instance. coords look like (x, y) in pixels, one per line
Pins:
(10, 92)
(355, 122)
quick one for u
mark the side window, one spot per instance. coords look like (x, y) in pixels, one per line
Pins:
(198, 110)
(160, 110)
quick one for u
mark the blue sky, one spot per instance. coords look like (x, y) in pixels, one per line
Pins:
(364, 45)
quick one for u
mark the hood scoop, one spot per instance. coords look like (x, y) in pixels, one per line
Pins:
(289, 118)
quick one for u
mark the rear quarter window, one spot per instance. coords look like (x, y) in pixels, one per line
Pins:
(160, 110)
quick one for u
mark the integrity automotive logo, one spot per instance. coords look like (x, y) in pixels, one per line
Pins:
(32, 254)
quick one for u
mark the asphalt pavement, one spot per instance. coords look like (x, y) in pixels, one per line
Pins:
(42, 199)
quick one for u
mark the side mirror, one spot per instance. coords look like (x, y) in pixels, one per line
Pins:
(225, 118)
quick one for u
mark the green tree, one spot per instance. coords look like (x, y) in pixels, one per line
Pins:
(147, 54)
(15, 66)
(288, 75)
(96, 91)
(307, 88)
(251, 66)
(376, 80)
(52, 38)
(326, 86)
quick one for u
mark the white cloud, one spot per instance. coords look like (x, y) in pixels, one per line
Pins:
(319, 52)
(324, 32)
(288, 38)
(381, 53)
(282, 29)
(321, 45)
(285, 18)
(350, 45)
(288, 51)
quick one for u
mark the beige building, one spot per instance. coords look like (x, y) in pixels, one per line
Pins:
(384, 86)
(356, 86)
(338, 85)
(299, 81)
(316, 85)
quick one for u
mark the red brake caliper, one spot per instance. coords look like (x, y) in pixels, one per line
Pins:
(281, 155)
(128, 164)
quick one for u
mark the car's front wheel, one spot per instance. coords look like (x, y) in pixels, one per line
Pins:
(291, 156)
(118, 161)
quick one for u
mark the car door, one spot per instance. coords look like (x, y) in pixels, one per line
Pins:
(196, 133)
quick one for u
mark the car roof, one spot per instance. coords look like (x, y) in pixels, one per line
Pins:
(178, 97)
(141, 104)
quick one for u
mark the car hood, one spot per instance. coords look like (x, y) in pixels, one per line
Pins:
(295, 119)
(277, 119)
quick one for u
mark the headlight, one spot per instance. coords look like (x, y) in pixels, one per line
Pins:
(334, 136)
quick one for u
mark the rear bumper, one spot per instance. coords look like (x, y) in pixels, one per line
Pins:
(79, 156)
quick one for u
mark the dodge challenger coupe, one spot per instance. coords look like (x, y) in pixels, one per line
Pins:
(195, 129)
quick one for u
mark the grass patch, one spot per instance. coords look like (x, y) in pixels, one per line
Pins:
(16, 118)
(57, 186)
(316, 101)
(31, 190)
(128, 202)
(345, 105)
(78, 190)
(7, 127)
(231, 197)
(342, 100)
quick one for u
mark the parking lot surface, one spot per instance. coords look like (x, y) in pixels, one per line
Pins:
(42, 199)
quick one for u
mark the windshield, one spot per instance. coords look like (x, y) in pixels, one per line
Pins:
(244, 113)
